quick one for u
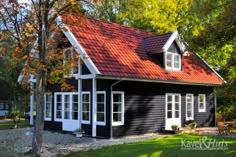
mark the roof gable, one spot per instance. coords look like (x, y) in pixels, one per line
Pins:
(119, 51)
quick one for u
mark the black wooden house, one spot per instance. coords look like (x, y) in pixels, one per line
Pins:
(129, 81)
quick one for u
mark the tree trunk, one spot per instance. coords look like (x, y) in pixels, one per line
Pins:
(39, 123)
(40, 85)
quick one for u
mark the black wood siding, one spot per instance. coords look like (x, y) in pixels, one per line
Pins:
(145, 106)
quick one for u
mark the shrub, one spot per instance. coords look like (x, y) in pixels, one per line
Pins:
(15, 115)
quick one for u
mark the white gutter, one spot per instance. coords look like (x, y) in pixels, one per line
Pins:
(153, 80)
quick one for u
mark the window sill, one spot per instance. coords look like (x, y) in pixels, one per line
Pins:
(85, 122)
(117, 123)
(101, 123)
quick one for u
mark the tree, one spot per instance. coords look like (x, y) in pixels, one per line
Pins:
(31, 26)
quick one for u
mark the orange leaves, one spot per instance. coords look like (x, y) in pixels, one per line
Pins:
(73, 2)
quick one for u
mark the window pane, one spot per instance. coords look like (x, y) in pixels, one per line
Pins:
(66, 115)
(176, 114)
(169, 60)
(67, 98)
(189, 114)
(58, 106)
(100, 117)
(74, 106)
(169, 114)
(116, 97)
(169, 106)
(85, 116)
(176, 98)
(169, 98)
(116, 117)
(189, 106)
(100, 107)
(75, 98)
(116, 107)
(201, 106)
(201, 98)
(85, 97)
(58, 98)
(100, 97)
(75, 115)
(85, 106)
(58, 115)
(176, 106)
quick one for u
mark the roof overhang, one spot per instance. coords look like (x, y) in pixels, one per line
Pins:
(155, 80)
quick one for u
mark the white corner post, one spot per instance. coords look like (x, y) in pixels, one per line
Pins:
(31, 103)
(94, 117)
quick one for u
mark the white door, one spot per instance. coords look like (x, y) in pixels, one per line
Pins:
(173, 110)
(70, 121)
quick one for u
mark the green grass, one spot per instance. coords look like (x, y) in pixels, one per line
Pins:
(11, 124)
(161, 147)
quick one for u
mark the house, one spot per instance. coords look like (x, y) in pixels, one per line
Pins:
(129, 81)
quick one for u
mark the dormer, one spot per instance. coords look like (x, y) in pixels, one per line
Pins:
(174, 49)
(168, 49)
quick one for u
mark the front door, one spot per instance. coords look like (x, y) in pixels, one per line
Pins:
(71, 112)
(173, 111)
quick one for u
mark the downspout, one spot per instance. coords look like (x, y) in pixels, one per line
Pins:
(215, 104)
(111, 107)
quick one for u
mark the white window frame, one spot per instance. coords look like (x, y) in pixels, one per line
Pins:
(192, 105)
(100, 122)
(85, 121)
(122, 108)
(72, 71)
(204, 103)
(55, 106)
(45, 104)
(62, 105)
(172, 61)
(173, 102)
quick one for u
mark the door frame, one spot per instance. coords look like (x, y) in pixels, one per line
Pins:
(172, 121)
(67, 124)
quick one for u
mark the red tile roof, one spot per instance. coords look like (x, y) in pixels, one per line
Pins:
(120, 51)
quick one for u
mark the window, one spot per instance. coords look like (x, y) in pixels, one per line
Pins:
(86, 107)
(70, 62)
(47, 106)
(201, 103)
(66, 106)
(117, 108)
(58, 107)
(75, 106)
(101, 108)
(173, 61)
(189, 106)
(173, 105)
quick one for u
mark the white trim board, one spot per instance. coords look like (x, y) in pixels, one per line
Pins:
(171, 39)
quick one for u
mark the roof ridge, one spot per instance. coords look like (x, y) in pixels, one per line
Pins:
(127, 26)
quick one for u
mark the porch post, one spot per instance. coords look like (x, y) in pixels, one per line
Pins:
(32, 103)
(94, 100)
(79, 101)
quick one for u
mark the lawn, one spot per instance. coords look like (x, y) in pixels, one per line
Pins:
(170, 146)
(11, 124)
